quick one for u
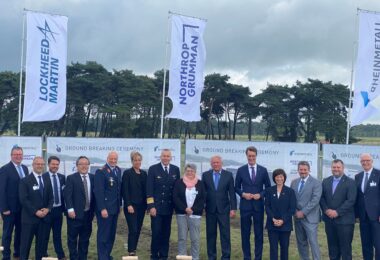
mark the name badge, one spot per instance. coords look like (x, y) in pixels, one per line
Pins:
(35, 187)
(372, 184)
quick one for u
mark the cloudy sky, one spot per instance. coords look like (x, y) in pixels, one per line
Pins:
(253, 41)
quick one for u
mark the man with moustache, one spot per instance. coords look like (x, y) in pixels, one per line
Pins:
(368, 207)
(57, 181)
(80, 202)
(107, 190)
(10, 207)
(159, 189)
(36, 197)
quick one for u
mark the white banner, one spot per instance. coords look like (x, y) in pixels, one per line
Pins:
(46, 55)
(367, 68)
(350, 155)
(271, 155)
(188, 56)
(68, 149)
(31, 146)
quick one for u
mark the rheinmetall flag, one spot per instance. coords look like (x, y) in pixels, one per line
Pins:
(188, 56)
(367, 68)
(46, 55)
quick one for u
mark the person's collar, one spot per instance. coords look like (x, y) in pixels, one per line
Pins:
(369, 172)
(254, 166)
(305, 179)
(36, 175)
(110, 166)
(163, 166)
(51, 174)
(15, 164)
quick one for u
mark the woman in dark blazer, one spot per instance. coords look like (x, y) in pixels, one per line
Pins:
(134, 196)
(189, 199)
(280, 206)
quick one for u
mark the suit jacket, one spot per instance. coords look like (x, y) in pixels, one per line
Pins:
(179, 198)
(308, 199)
(107, 189)
(243, 183)
(9, 183)
(343, 199)
(369, 201)
(62, 183)
(282, 207)
(223, 199)
(159, 188)
(31, 199)
(75, 197)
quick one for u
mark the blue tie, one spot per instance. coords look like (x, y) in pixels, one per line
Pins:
(216, 179)
(301, 186)
(20, 172)
(55, 187)
(41, 186)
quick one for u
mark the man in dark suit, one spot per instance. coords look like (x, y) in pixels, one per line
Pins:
(107, 190)
(10, 208)
(220, 207)
(36, 197)
(79, 199)
(251, 179)
(159, 190)
(57, 181)
(368, 207)
(337, 204)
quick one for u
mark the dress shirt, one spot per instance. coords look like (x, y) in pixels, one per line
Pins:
(369, 175)
(304, 180)
(59, 188)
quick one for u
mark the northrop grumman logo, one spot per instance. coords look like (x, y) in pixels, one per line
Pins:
(46, 31)
(365, 98)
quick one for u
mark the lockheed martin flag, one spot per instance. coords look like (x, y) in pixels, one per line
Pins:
(188, 56)
(46, 55)
(367, 68)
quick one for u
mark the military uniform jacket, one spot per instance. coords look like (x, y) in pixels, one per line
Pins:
(107, 189)
(159, 188)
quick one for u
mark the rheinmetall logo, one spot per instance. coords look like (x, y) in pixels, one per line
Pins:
(46, 31)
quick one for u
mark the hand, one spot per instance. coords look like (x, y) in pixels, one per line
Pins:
(247, 196)
(6, 213)
(45, 211)
(256, 196)
(232, 213)
(131, 210)
(299, 214)
(189, 211)
(331, 213)
(72, 214)
(40, 213)
(104, 213)
(153, 212)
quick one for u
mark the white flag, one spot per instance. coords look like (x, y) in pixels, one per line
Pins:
(367, 68)
(46, 59)
(188, 56)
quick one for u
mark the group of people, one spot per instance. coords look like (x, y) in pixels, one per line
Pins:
(33, 204)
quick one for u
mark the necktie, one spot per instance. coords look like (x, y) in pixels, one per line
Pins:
(87, 204)
(365, 182)
(40, 186)
(166, 170)
(55, 189)
(301, 186)
(253, 174)
(216, 179)
(20, 172)
(335, 183)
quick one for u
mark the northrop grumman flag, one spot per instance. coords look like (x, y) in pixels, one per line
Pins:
(188, 56)
(367, 68)
(46, 54)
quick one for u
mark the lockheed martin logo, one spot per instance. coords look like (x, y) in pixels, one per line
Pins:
(47, 32)
(365, 97)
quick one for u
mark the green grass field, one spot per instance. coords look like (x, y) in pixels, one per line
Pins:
(143, 251)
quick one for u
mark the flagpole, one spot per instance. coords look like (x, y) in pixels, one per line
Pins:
(352, 78)
(21, 69)
(164, 83)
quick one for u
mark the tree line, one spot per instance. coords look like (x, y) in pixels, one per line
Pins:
(119, 103)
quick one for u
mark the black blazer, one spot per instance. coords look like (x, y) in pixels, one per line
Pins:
(133, 187)
(75, 197)
(62, 183)
(369, 202)
(343, 200)
(9, 183)
(282, 207)
(179, 198)
(223, 199)
(243, 183)
(31, 199)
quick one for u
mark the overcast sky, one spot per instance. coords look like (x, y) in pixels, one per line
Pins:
(255, 42)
